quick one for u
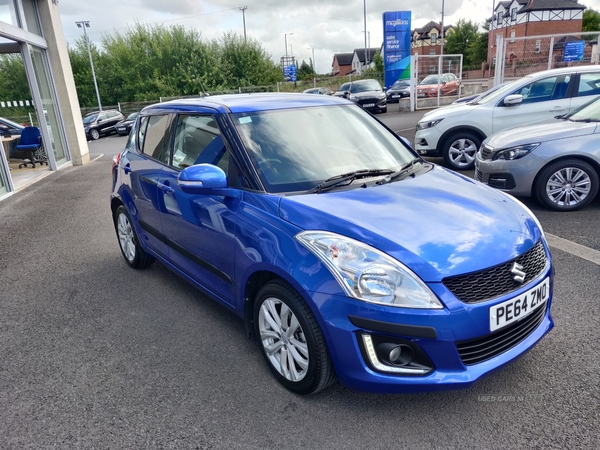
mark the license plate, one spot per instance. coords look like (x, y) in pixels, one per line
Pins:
(519, 307)
(368, 105)
(395, 96)
(121, 129)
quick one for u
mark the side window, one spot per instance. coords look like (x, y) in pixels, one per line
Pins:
(142, 132)
(589, 84)
(156, 138)
(551, 88)
(101, 117)
(198, 140)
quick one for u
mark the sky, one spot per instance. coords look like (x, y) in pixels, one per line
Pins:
(322, 27)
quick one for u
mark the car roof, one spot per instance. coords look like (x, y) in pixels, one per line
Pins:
(11, 123)
(242, 103)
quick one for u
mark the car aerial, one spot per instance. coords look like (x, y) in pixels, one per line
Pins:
(10, 128)
(557, 162)
(444, 84)
(476, 97)
(398, 90)
(319, 90)
(101, 123)
(366, 93)
(124, 126)
(455, 132)
(345, 254)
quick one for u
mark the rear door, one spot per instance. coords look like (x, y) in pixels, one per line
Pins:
(200, 229)
(543, 99)
(141, 168)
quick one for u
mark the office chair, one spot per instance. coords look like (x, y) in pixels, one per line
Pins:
(31, 144)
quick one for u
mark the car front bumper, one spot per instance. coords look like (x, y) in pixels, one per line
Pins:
(514, 177)
(426, 141)
(435, 332)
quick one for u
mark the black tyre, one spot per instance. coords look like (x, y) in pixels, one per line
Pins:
(459, 150)
(566, 185)
(94, 134)
(291, 340)
(133, 253)
(384, 109)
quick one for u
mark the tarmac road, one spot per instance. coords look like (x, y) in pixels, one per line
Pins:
(97, 355)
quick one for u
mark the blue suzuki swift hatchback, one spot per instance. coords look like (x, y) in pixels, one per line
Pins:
(346, 254)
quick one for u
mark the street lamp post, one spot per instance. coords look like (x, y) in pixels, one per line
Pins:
(243, 9)
(365, 23)
(285, 38)
(86, 24)
(313, 68)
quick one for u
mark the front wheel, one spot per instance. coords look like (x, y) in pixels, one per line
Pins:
(459, 150)
(94, 134)
(291, 340)
(566, 185)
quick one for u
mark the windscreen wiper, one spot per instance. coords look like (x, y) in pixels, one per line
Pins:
(404, 169)
(349, 178)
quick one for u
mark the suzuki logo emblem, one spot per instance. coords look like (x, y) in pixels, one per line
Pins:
(517, 271)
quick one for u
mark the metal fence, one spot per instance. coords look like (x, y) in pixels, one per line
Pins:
(425, 65)
(519, 56)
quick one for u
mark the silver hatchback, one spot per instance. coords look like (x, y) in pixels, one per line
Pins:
(557, 161)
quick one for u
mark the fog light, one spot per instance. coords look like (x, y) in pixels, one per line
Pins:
(397, 355)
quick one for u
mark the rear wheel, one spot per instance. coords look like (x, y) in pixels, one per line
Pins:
(291, 340)
(133, 253)
(567, 185)
(459, 150)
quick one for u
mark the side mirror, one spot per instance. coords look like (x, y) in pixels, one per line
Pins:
(511, 100)
(205, 179)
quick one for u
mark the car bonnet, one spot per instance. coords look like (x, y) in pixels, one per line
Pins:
(541, 132)
(439, 224)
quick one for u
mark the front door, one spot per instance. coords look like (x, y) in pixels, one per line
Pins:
(200, 229)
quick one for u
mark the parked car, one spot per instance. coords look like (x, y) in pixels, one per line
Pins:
(366, 93)
(557, 162)
(319, 90)
(124, 126)
(398, 90)
(10, 128)
(101, 123)
(445, 84)
(456, 132)
(344, 253)
(477, 97)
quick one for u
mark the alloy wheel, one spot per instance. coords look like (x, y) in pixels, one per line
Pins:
(283, 339)
(462, 152)
(126, 237)
(568, 186)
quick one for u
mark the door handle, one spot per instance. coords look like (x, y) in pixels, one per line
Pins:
(127, 168)
(166, 189)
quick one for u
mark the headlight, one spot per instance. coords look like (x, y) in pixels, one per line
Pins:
(515, 152)
(428, 124)
(352, 97)
(368, 274)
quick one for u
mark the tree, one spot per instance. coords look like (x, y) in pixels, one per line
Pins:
(458, 40)
(13, 81)
(305, 72)
(477, 50)
(591, 20)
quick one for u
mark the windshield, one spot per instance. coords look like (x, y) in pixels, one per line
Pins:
(400, 84)
(365, 86)
(344, 87)
(590, 111)
(297, 149)
(430, 79)
(133, 115)
(90, 119)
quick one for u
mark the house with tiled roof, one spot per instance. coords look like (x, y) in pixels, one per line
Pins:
(358, 58)
(427, 39)
(342, 64)
(524, 18)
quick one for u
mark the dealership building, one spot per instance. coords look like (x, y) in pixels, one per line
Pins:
(33, 29)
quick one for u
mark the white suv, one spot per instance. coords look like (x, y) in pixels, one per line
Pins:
(456, 131)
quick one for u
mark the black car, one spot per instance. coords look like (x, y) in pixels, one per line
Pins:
(366, 93)
(398, 90)
(124, 126)
(101, 122)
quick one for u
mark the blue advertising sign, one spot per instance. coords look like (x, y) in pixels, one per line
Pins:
(289, 73)
(573, 51)
(396, 46)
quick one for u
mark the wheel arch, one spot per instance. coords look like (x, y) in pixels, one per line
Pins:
(448, 133)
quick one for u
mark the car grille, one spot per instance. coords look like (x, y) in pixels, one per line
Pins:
(486, 151)
(495, 281)
(481, 349)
